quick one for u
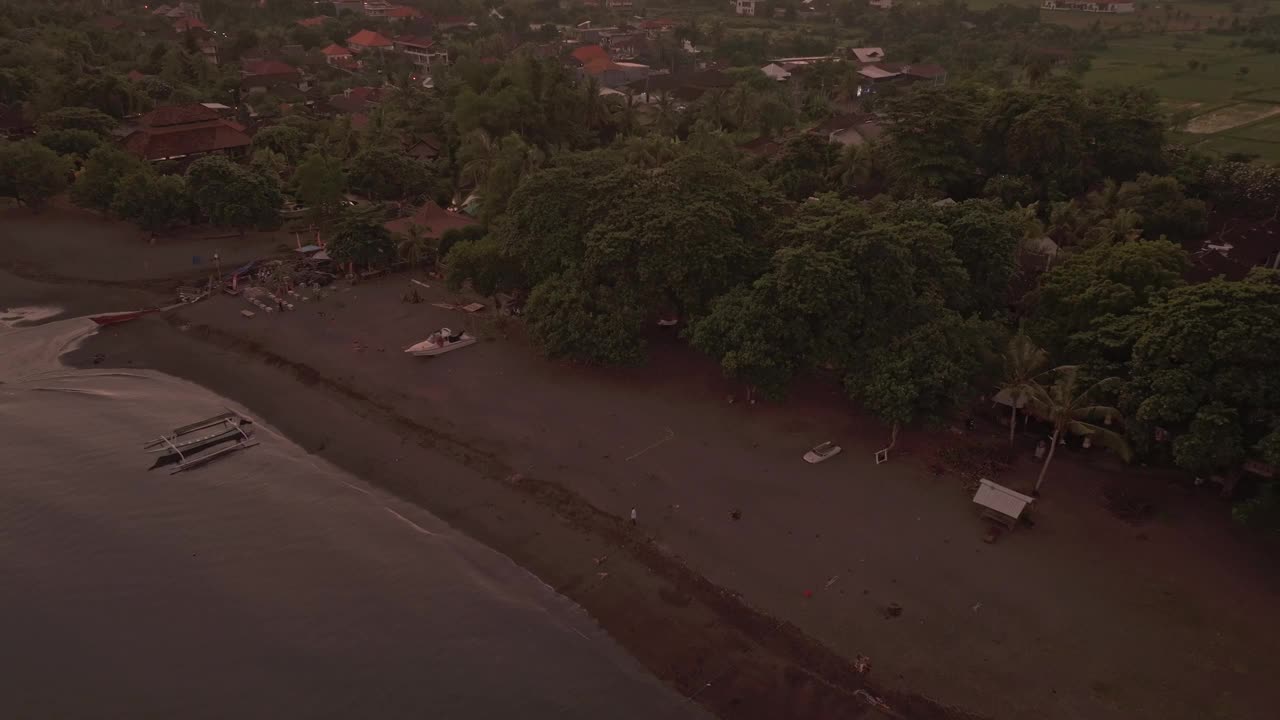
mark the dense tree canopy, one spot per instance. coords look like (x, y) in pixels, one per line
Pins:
(1204, 369)
(231, 195)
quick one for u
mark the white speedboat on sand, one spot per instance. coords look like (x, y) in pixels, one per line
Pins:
(441, 342)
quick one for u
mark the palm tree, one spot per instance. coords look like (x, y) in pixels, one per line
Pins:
(478, 153)
(416, 246)
(1024, 361)
(1071, 411)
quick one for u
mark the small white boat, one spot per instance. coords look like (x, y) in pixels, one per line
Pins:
(825, 451)
(440, 343)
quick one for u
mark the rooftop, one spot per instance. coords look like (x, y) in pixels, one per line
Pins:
(369, 38)
(433, 219)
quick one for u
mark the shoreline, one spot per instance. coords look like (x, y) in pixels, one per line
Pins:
(699, 638)
(1084, 615)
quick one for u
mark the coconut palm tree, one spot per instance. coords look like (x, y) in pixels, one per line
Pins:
(415, 246)
(1071, 410)
(1024, 362)
(478, 152)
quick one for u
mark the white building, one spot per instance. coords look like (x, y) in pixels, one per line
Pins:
(746, 7)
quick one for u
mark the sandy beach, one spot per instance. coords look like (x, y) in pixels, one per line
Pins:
(751, 580)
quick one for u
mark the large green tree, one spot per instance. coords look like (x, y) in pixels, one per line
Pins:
(792, 319)
(99, 179)
(362, 239)
(320, 183)
(231, 195)
(153, 201)
(31, 173)
(1089, 293)
(386, 173)
(1204, 370)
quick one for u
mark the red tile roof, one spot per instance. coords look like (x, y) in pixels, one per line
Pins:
(336, 50)
(135, 76)
(186, 24)
(177, 115)
(369, 38)
(400, 11)
(433, 219)
(587, 53)
(316, 21)
(178, 131)
(268, 67)
(418, 42)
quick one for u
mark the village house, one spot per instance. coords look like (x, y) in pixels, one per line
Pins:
(369, 40)
(182, 132)
(867, 55)
(588, 33)
(335, 54)
(421, 51)
(685, 86)
(745, 7)
(433, 220)
(1093, 7)
(263, 75)
(774, 71)
(624, 44)
(355, 100)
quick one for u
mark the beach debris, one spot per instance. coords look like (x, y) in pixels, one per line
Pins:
(248, 313)
(473, 307)
(808, 594)
(633, 516)
(736, 514)
(862, 665)
(833, 580)
(600, 560)
(602, 575)
(873, 701)
(977, 607)
(419, 282)
(444, 306)
(892, 610)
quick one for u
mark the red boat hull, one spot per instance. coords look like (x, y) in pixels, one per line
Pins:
(117, 318)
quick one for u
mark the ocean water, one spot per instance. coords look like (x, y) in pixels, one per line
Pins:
(268, 584)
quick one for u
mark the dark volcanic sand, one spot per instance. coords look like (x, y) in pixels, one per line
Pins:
(1082, 617)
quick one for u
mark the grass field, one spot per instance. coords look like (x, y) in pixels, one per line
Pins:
(1227, 110)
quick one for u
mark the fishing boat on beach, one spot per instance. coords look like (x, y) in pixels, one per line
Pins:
(196, 444)
(440, 343)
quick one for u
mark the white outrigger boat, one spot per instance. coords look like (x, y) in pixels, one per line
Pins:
(441, 342)
(194, 445)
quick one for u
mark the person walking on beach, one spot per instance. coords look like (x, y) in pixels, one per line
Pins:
(633, 516)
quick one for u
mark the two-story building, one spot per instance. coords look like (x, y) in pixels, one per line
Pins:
(745, 7)
(422, 51)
